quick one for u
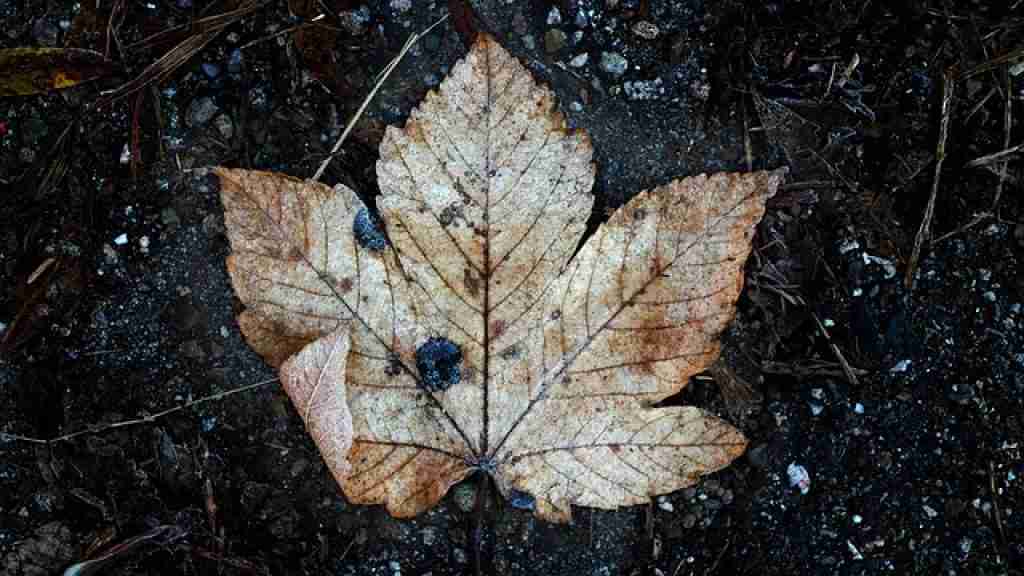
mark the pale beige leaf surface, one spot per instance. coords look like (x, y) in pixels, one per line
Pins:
(473, 338)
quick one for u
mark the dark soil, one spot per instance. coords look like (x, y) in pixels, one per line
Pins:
(903, 401)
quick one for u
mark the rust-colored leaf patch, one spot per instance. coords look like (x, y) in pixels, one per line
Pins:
(454, 330)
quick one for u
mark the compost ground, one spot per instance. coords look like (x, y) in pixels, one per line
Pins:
(877, 355)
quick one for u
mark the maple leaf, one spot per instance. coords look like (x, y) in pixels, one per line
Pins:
(460, 330)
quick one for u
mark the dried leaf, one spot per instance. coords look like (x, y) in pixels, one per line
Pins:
(478, 340)
(25, 71)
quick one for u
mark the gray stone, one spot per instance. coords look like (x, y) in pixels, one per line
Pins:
(614, 63)
(201, 111)
(554, 40)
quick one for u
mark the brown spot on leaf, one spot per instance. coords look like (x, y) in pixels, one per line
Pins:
(471, 281)
(345, 285)
(497, 328)
(627, 326)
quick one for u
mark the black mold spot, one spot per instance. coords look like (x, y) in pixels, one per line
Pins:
(394, 365)
(450, 214)
(439, 361)
(369, 230)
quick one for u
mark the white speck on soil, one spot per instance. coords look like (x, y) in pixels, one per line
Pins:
(798, 477)
(580, 60)
(901, 366)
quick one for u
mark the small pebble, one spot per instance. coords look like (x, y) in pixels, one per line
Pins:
(355, 21)
(121, 240)
(900, 366)
(554, 40)
(519, 24)
(201, 111)
(665, 504)
(614, 63)
(758, 456)
(169, 217)
(580, 60)
(211, 70)
(225, 126)
(689, 521)
(798, 477)
(235, 61)
(645, 30)
(554, 17)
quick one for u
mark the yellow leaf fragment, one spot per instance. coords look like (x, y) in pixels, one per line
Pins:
(476, 337)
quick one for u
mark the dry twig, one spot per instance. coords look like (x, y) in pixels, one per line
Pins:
(148, 419)
(369, 97)
(205, 30)
(948, 84)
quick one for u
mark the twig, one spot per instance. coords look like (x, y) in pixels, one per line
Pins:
(995, 156)
(1009, 57)
(995, 502)
(748, 148)
(847, 369)
(206, 29)
(143, 420)
(369, 97)
(311, 24)
(948, 85)
(977, 219)
(1007, 127)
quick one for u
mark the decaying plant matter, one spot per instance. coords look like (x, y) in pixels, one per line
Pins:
(461, 330)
